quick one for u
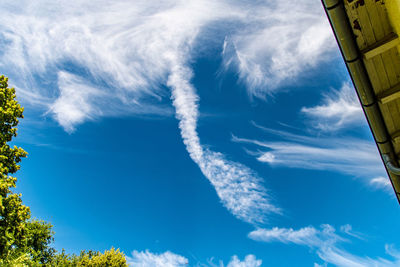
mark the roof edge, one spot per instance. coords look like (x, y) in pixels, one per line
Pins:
(345, 38)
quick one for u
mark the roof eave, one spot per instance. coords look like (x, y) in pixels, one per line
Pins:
(346, 40)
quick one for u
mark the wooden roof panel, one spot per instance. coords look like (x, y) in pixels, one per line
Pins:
(372, 27)
(375, 80)
(374, 35)
(383, 15)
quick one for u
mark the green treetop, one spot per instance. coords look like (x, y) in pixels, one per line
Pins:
(13, 214)
(25, 242)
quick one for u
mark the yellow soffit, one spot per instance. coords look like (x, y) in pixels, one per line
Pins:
(368, 34)
(393, 9)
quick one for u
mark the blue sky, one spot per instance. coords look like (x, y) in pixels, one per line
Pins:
(196, 133)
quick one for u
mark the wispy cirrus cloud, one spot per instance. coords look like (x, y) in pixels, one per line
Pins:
(381, 182)
(351, 156)
(74, 105)
(348, 230)
(307, 236)
(128, 55)
(148, 259)
(284, 41)
(238, 187)
(170, 259)
(249, 261)
(304, 236)
(340, 257)
(80, 101)
(86, 59)
(338, 110)
(100, 61)
(326, 243)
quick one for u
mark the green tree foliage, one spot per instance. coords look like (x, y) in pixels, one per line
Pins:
(25, 242)
(110, 258)
(13, 214)
(20, 239)
(39, 239)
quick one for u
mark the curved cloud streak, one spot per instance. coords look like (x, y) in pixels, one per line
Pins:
(325, 242)
(237, 186)
(80, 60)
(123, 55)
(124, 48)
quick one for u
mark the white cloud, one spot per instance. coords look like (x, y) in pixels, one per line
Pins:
(87, 59)
(340, 257)
(121, 49)
(125, 48)
(80, 101)
(74, 105)
(304, 236)
(102, 59)
(381, 183)
(326, 244)
(238, 187)
(249, 261)
(148, 259)
(287, 40)
(338, 110)
(348, 229)
(169, 259)
(356, 157)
